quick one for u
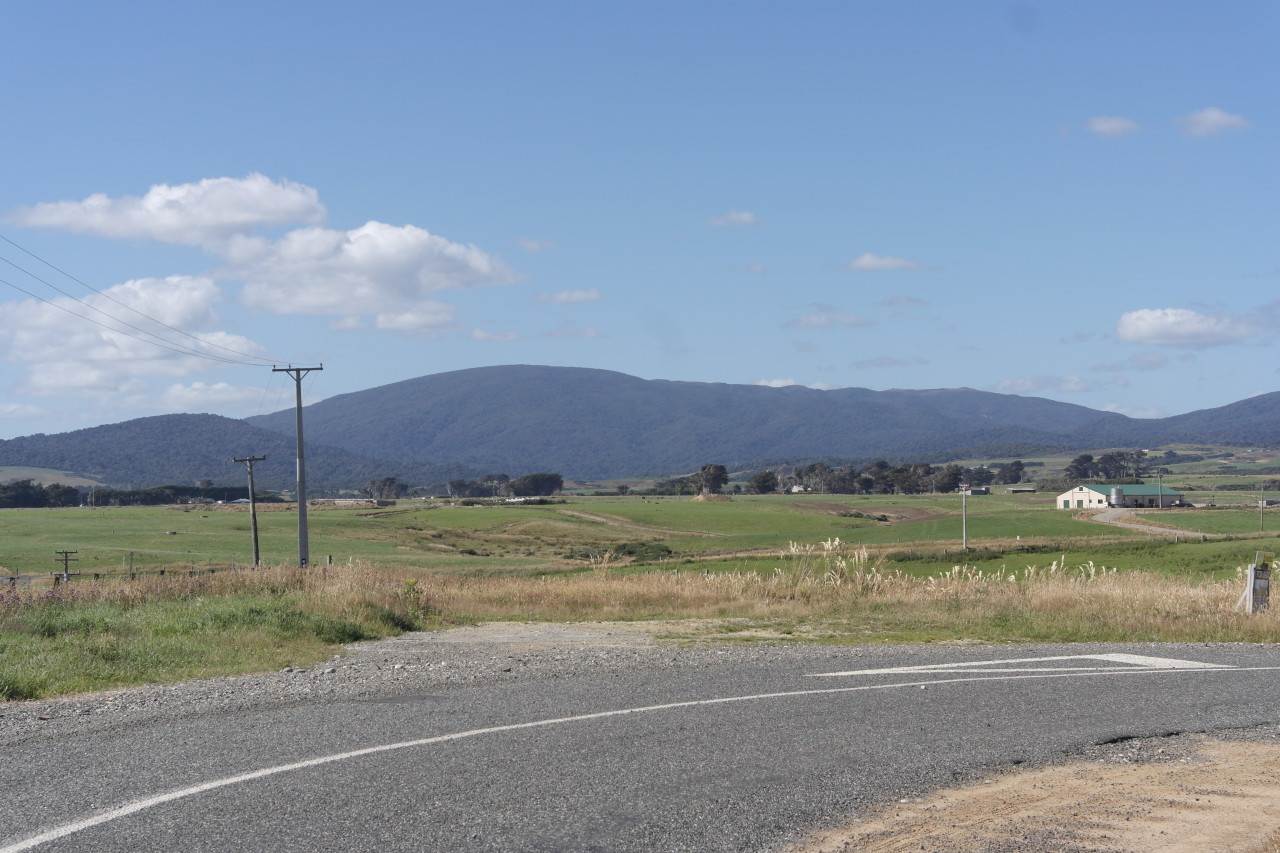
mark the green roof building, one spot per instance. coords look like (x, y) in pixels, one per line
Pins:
(1101, 495)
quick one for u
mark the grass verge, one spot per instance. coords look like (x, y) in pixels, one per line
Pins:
(120, 633)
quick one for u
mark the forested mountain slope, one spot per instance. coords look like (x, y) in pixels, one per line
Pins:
(590, 423)
(180, 449)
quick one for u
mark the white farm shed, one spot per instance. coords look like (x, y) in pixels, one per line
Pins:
(1100, 496)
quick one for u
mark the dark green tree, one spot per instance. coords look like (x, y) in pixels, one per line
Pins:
(763, 483)
(710, 479)
(1013, 472)
(533, 485)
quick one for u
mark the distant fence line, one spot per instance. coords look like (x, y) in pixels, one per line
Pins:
(55, 579)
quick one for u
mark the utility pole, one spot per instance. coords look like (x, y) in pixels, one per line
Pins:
(964, 516)
(304, 548)
(67, 559)
(253, 502)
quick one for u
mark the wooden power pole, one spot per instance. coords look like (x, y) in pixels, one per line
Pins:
(253, 502)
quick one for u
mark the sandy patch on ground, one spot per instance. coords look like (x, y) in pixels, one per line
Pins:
(1219, 796)
(545, 636)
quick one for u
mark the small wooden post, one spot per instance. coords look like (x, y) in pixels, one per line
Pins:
(1257, 593)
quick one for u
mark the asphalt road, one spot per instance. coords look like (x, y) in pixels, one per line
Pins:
(722, 757)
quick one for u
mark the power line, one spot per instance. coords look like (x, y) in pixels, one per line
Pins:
(159, 342)
(258, 361)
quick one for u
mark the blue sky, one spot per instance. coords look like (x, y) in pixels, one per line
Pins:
(1067, 200)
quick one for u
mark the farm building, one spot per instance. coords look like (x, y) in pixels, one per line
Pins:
(1099, 495)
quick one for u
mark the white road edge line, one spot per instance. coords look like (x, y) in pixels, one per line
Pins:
(170, 796)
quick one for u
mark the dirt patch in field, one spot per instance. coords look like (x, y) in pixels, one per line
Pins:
(614, 521)
(1194, 794)
(902, 514)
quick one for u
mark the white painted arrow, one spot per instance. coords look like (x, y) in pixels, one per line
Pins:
(1141, 662)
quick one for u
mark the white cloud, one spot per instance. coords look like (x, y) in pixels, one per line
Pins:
(373, 268)
(63, 355)
(867, 261)
(1211, 121)
(206, 212)
(1029, 385)
(587, 332)
(825, 318)
(787, 383)
(529, 244)
(904, 302)
(494, 337)
(734, 217)
(19, 411)
(565, 297)
(1112, 126)
(1137, 361)
(425, 320)
(1180, 327)
(1134, 411)
(347, 324)
(200, 397)
(757, 268)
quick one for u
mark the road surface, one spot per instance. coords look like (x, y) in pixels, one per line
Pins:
(724, 751)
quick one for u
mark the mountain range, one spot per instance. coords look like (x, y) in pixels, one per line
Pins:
(586, 423)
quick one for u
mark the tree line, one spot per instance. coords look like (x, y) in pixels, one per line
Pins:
(881, 478)
(540, 484)
(28, 494)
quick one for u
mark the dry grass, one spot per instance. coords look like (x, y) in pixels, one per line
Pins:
(850, 595)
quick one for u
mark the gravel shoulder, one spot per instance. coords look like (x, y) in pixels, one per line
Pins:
(1190, 792)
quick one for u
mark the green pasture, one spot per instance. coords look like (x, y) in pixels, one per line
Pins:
(580, 532)
(1223, 519)
(43, 476)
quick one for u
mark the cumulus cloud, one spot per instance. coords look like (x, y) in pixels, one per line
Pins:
(868, 262)
(105, 355)
(529, 244)
(425, 320)
(19, 411)
(787, 383)
(494, 337)
(565, 297)
(1137, 361)
(734, 217)
(826, 317)
(197, 214)
(1030, 384)
(1134, 411)
(1112, 126)
(1180, 327)
(202, 397)
(347, 324)
(587, 332)
(376, 267)
(1212, 121)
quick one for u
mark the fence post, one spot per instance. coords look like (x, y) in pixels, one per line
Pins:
(1257, 591)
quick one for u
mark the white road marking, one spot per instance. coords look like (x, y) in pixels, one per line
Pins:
(1142, 661)
(975, 675)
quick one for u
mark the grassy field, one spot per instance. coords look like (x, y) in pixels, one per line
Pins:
(430, 536)
(792, 568)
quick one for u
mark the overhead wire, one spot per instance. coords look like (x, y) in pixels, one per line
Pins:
(159, 342)
(153, 338)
